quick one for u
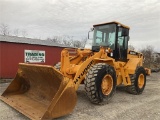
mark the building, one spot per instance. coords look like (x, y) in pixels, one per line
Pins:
(15, 50)
(156, 56)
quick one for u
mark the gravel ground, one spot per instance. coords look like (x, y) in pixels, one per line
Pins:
(123, 106)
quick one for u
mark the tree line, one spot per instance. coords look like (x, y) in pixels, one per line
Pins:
(5, 30)
(62, 39)
(69, 41)
(149, 60)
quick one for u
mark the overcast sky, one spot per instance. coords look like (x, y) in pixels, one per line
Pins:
(47, 18)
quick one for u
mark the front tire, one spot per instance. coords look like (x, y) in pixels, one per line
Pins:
(100, 83)
(138, 81)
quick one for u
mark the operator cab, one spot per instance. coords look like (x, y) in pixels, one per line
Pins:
(113, 35)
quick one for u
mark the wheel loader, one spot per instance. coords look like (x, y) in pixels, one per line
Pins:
(46, 92)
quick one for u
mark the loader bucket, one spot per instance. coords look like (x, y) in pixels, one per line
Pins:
(40, 92)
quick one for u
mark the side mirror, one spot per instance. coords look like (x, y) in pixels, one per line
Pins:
(125, 32)
(90, 31)
(128, 37)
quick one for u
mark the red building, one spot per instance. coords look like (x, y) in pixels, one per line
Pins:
(13, 50)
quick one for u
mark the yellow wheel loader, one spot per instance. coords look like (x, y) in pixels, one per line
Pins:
(46, 92)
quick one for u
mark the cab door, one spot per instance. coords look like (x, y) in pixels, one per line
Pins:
(122, 44)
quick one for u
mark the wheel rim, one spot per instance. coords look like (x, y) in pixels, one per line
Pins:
(141, 81)
(107, 84)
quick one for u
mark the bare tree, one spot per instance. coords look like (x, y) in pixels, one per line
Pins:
(83, 41)
(77, 44)
(147, 52)
(80, 43)
(67, 40)
(57, 39)
(158, 60)
(24, 33)
(16, 32)
(4, 29)
(131, 47)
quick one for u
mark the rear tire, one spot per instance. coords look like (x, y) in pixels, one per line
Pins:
(138, 81)
(100, 83)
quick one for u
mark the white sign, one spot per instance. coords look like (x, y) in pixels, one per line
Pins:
(34, 56)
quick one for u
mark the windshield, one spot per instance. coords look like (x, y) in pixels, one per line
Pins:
(105, 35)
